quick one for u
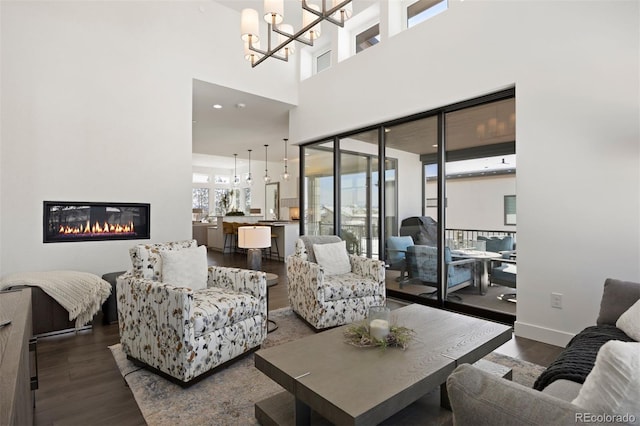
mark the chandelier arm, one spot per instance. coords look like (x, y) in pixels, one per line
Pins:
(291, 37)
(272, 52)
(269, 52)
(336, 22)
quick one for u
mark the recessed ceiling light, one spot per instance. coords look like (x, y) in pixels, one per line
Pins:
(217, 106)
(435, 145)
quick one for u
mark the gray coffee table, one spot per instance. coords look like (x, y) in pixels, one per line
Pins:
(348, 385)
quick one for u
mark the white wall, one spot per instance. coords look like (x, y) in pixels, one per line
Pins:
(575, 69)
(96, 106)
(409, 196)
(476, 203)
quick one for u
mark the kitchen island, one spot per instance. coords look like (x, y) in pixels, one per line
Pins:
(286, 234)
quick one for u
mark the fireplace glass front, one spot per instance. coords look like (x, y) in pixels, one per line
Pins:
(88, 221)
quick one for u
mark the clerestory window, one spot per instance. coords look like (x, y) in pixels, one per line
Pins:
(422, 10)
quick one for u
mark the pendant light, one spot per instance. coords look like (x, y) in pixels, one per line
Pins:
(248, 179)
(236, 179)
(267, 179)
(285, 175)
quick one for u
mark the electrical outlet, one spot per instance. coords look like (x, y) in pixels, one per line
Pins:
(556, 300)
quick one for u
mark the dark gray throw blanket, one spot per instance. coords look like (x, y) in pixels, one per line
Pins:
(578, 358)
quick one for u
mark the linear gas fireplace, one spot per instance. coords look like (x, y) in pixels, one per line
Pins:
(67, 221)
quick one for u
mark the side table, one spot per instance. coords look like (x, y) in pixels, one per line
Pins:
(110, 306)
(272, 280)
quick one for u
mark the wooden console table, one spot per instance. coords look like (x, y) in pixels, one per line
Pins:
(17, 359)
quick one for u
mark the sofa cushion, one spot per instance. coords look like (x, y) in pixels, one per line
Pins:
(566, 390)
(617, 297)
(629, 321)
(347, 286)
(447, 255)
(397, 247)
(507, 273)
(422, 263)
(215, 308)
(613, 386)
(333, 258)
(185, 268)
(497, 244)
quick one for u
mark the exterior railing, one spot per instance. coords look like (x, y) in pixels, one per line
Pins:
(456, 238)
(464, 235)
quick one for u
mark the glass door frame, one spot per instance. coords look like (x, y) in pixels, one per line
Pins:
(337, 182)
(442, 157)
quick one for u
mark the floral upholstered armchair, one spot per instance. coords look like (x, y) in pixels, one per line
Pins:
(326, 298)
(182, 318)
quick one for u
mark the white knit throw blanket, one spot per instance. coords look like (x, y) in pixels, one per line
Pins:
(80, 293)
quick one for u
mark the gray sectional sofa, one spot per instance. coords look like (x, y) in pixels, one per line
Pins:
(479, 398)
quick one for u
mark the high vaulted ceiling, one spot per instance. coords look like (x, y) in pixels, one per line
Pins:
(248, 121)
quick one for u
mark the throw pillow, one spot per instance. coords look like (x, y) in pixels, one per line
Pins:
(629, 321)
(185, 268)
(617, 297)
(333, 258)
(613, 386)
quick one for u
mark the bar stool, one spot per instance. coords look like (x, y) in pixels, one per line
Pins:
(235, 226)
(274, 240)
(227, 230)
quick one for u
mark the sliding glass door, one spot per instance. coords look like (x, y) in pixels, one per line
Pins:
(318, 189)
(359, 209)
(423, 196)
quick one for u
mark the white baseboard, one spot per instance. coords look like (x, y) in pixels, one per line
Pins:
(542, 334)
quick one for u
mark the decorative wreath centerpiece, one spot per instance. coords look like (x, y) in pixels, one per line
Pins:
(360, 335)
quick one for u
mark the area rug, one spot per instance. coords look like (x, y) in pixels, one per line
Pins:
(228, 396)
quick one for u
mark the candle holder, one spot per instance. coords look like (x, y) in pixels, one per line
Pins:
(377, 331)
(379, 322)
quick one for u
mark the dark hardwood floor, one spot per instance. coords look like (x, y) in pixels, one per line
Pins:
(79, 382)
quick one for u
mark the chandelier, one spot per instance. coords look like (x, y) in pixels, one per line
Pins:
(312, 16)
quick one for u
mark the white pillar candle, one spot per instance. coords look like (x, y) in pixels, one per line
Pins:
(378, 329)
